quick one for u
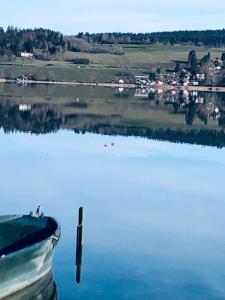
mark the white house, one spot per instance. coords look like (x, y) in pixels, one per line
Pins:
(27, 55)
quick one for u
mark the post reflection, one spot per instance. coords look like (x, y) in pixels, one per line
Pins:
(79, 245)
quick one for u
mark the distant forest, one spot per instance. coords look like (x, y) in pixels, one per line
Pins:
(212, 38)
(42, 42)
(45, 43)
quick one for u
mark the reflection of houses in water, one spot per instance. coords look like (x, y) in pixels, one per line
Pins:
(191, 103)
(197, 102)
(124, 93)
(146, 91)
(24, 107)
(141, 92)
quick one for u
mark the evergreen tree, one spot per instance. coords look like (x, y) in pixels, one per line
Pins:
(177, 67)
(193, 62)
(205, 60)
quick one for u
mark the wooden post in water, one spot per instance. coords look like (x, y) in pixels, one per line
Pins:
(79, 245)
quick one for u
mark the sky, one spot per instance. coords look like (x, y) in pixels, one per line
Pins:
(73, 16)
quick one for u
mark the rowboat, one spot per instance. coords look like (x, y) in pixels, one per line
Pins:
(27, 244)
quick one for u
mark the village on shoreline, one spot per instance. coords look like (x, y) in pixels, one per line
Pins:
(205, 74)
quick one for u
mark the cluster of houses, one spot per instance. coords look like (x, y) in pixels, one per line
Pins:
(183, 77)
(171, 79)
(217, 63)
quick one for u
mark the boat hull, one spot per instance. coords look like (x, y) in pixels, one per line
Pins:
(24, 267)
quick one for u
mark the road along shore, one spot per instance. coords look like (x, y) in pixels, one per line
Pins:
(213, 89)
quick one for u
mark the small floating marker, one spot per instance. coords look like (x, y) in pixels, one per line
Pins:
(112, 144)
(105, 145)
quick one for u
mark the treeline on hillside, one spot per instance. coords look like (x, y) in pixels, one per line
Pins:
(195, 136)
(215, 38)
(82, 43)
(42, 42)
(45, 43)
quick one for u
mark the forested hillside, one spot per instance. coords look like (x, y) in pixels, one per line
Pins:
(210, 38)
(45, 43)
(13, 41)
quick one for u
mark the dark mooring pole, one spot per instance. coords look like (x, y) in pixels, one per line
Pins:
(79, 245)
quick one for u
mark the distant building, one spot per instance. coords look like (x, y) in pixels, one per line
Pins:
(142, 81)
(27, 55)
(201, 76)
(121, 81)
(160, 82)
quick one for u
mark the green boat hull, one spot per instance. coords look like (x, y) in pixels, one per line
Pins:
(26, 250)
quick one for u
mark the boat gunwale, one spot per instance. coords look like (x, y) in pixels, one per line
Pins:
(55, 235)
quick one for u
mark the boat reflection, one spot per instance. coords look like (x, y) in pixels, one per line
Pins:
(44, 289)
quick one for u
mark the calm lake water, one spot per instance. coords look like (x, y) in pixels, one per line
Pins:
(154, 225)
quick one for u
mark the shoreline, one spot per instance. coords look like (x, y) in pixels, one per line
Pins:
(213, 89)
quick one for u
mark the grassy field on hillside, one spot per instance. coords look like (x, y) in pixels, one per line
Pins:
(138, 59)
(144, 56)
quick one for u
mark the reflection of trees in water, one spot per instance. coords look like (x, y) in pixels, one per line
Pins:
(44, 118)
(193, 104)
(222, 119)
(194, 136)
(190, 115)
(41, 119)
(151, 96)
(193, 109)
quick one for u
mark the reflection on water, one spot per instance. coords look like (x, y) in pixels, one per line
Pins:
(44, 289)
(79, 245)
(154, 210)
(177, 116)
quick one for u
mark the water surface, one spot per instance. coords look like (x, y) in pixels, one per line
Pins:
(154, 225)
